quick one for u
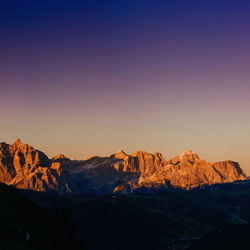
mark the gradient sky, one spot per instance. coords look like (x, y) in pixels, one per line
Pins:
(93, 77)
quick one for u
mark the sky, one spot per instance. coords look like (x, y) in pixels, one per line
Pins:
(92, 77)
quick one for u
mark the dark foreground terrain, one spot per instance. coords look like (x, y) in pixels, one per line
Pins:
(200, 219)
(24, 225)
(229, 237)
(167, 220)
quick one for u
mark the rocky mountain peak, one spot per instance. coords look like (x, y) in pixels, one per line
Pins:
(189, 155)
(27, 168)
(17, 143)
(187, 152)
(120, 155)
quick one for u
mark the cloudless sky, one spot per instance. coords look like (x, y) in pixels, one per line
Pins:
(93, 77)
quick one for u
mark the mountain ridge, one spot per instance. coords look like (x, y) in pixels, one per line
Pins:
(27, 168)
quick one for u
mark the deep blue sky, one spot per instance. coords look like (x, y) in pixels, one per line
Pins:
(91, 77)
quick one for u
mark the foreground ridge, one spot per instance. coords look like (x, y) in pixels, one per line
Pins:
(27, 168)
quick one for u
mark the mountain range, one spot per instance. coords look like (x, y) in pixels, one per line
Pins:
(27, 168)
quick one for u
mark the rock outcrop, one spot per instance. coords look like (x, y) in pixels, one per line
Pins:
(25, 167)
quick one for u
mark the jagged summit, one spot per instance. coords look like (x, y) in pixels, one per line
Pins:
(189, 155)
(27, 168)
(18, 140)
(17, 143)
(119, 154)
(187, 152)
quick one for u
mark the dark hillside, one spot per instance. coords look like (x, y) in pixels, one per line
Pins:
(24, 225)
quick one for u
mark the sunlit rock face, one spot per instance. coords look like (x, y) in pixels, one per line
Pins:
(25, 167)
(189, 171)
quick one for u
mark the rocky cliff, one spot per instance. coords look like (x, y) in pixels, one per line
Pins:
(25, 167)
